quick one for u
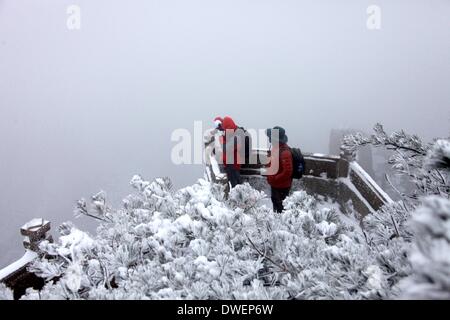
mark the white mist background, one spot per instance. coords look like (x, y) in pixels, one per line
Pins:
(84, 110)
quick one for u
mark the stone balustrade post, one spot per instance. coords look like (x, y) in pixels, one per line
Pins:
(35, 231)
(347, 156)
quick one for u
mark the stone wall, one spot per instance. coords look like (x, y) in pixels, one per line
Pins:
(20, 280)
(338, 178)
(16, 276)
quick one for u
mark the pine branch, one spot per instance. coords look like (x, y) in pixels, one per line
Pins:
(402, 147)
(265, 256)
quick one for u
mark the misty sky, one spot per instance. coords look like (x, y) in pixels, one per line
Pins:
(84, 110)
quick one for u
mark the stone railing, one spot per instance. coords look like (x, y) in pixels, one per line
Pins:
(339, 178)
(16, 276)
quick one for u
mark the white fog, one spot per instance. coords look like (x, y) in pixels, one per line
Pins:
(84, 110)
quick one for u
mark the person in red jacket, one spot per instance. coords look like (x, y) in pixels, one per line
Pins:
(280, 180)
(230, 150)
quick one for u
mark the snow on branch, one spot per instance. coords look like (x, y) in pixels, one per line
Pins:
(421, 163)
(430, 256)
(439, 155)
(194, 244)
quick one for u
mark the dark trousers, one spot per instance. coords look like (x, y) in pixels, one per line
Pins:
(278, 195)
(233, 174)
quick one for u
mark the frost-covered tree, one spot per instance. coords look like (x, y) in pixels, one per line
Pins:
(197, 243)
(5, 292)
(388, 235)
(421, 218)
(410, 156)
(430, 256)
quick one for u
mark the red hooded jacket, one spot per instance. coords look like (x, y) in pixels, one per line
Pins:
(229, 124)
(283, 178)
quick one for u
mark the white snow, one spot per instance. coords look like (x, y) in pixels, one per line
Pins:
(208, 174)
(205, 266)
(34, 224)
(73, 276)
(444, 145)
(161, 228)
(203, 238)
(352, 187)
(322, 159)
(26, 258)
(75, 243)
(369, 181)
(375, 277)
(201, 260)
(179, 276)
(321, 155)
(199, 246)
(184, 221)
(215, 167)
(204, 212)
(439, 154)
(327, 228)
(327, 204)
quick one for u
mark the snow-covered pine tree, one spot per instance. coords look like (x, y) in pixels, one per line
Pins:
(5, 292)
(430, 255)
(420, 217)
(196, 244)
(408, 159)
(193, 244)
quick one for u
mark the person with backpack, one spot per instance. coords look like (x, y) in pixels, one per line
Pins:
(231, 149)
(289, 164)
